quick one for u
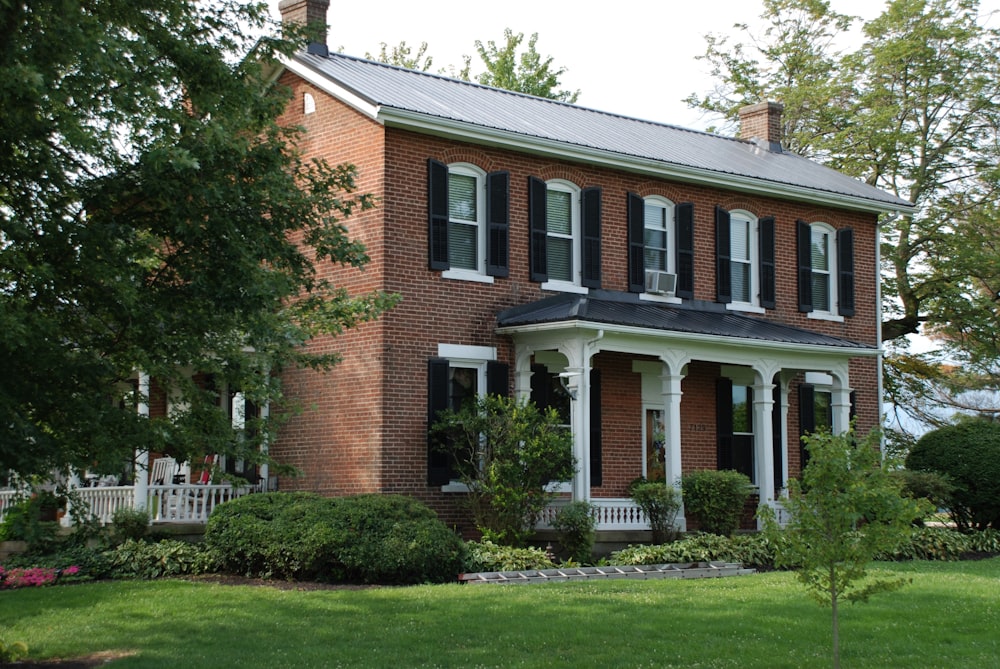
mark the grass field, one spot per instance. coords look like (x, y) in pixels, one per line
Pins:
(948, 617)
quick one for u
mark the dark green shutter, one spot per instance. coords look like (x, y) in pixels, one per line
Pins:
(845, 271)
(767, 270)
(684, 224)
(497, 379)
(537, 222)
(636, 244)
(803, 240)
(438, 462)
(590, 214)
(723, 265)
(596, 463)
(498, 224)
(437, 207)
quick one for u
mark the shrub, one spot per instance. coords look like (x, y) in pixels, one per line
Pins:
(660, 502)
(575, 524)
(366, 538)
(751, 550)
(25, 521)
(145, 560)
(506, 451)
(93, 564)
(715, 498)
(488, 556)
(969, 455)
(130, 523)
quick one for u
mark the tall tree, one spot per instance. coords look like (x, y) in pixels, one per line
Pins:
(525, 72)
(914, 110)
(155, 217)
(402, 55)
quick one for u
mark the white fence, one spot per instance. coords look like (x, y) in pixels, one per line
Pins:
(610, 514)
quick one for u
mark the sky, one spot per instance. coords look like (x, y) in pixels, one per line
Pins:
(636, 58)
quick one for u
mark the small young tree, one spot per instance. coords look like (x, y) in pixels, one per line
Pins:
(846, 509)
(507, 452)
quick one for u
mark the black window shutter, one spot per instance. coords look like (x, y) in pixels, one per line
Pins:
(498, 224)
(636, 244)
(596, 464)
(845, 271)
(537, 199)
(724, 422)
(590, 214)
(497, 379)
(803, 239)
(437, 206)
(767, 279)
(684, 224)
(723, 267)
(438, 462)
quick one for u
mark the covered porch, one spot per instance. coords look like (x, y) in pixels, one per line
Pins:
(657, 390)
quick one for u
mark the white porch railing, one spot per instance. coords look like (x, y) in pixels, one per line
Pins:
(610, 514)
(176, 503)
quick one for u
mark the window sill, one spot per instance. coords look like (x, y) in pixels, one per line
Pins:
(565, 287)
(747, 308)
(466, 275)
(825, 316)
(662, 299)
(455, 486)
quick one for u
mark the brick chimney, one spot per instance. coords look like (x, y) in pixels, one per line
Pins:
(306, 12)
(761, 124)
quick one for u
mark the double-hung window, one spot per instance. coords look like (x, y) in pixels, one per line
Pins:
(466, 213)
(745, 253)
(459, 374)
(565, 242)
(658, 223)
(825, 270)
(468, 221)
(562, 231)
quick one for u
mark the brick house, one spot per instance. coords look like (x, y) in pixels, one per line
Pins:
(689, 301)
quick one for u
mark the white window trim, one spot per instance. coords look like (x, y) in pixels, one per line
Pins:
(670, 230)
(478, 274)
(832, 271)
(469, 357)
(576, 232)
(753, 306)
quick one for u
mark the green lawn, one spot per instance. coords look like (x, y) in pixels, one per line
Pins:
(948, 617)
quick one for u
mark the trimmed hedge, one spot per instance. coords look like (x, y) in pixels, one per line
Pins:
(754, 549)
(303, 536)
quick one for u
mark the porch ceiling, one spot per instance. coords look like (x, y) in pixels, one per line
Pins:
(625, 310)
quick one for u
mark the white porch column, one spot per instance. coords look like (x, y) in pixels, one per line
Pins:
(522, 373)
(265, 413)
(578, 386)
(141, 487)
(786, 439)
(672, 429)
(763, 435)
(840, 400)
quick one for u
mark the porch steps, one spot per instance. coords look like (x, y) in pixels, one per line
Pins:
(679, 570)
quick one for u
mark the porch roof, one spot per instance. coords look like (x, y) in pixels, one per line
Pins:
(626, 310)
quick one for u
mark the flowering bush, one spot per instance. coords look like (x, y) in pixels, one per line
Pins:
(25, 577)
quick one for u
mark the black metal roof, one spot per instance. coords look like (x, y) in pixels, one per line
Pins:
(452, 101)
(627, 310)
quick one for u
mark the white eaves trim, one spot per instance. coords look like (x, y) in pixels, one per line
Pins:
(693, 337)
(323, 83)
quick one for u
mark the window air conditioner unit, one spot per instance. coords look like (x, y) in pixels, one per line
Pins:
(660, 283)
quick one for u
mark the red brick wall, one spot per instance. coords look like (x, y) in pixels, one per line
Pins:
(364, 425)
